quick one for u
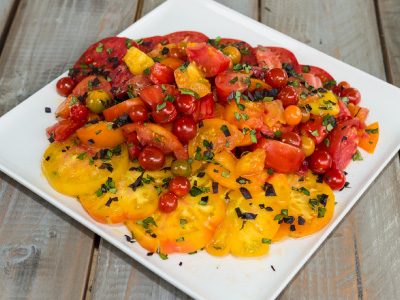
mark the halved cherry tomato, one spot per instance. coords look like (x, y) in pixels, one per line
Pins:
(353, 94)
(164, 113)
(155, 135)
(179, 186)
(335, 179)
(161, 74)
(154, 94)
(185, 129)
(314, 129)
(281, 157)
(288, 95)
(101, 135)
(211, 60)
(320, 162)
(79, 112)
(151, 158)
(292, 138)
(112, 113)
(167, 203)
(276, 77)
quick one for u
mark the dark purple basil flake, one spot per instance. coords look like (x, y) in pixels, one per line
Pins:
(245, 192)
(250, 95)
(129, 239)
(249, 216)
(150, 253)
(164, 51)
(343, 127)
(201, 174)
(345, 186)
(323, 199)
(91, 142)
(300, 220)
(262, 206)
(320, 178)
(51, 139)
(96, 82)
(231, 95)
(269, 190)
(272, 267)
(114, 60)
(345, 173)
(344, 138)
(195, 183)
(211, 146)
(63, 150)
(47, 109)
(201, 124)
(238, 212)
(109, 201)
(113, 89)
(137, 182)
(301, 179)
(146, 43)
(268, 208)
(280, 221)
(107, 166)
(180, 264)
(207, 153)
(153, 235)
(215, 187)
(216, 171)
(48, 158)
(288, 220)
(292, 228)
(204, 199)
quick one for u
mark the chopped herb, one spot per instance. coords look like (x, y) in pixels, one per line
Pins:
(189, 92)
(253, 137)
(81, 156)
(357, 156)
(234, 80)
(266, 241)
(158, 189)
(245, 192)
(183, 222)
(225, 130)
(373, 131)
(161, 106)
(315, 133)
(181, 239)
(225, 174)
(270, 171)
(326, 142)
(146, 71)
(109, 50)
(99, 48)
(321, 212)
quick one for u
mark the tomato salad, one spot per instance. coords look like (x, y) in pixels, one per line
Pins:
(199, 143)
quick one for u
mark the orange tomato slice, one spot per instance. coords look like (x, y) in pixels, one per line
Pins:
(101, 135)
(369, 137)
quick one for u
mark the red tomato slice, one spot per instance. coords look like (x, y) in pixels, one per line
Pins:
(207, 107)
(150, 42)
(312, 80)
(267, 58)
(186, 36)
(102, 56)
(112, 113)
(281, 157)
(286, 56)
(248, 53)
(322, 74)
(343, 142)
(344, 112)
(211, 60)
(224, 87)
(161, 74)
(155, 135)
(63, 129)
(314, 129)
(154, 94)
(119, 76)
(91, 83)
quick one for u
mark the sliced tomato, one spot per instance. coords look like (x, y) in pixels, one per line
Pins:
(321, 73)
(248, 53)
(369, 137)
(91, 83)
(312, 80)
(206, 107)
(250, 116)
(229, 81)
(154, 94)
(286, 56)
(267, 58)
(344, 112)
(101, 135)
(211, 60)
(161, 74)
(343, 142)
(259, 72)
(112, 113)
(119, 77)
(155, 135)
(281, 157)
(106, 54)
(137, 83)
(149, 43)
(63, 129)
(314, 129)
(186, 36)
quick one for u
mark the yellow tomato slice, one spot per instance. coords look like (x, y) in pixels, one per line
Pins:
(137, 61)
(188, 228)
(70, 169)
(250, 224)
(193, 78)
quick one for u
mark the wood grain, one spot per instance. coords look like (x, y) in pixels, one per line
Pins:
(389, 13)
(350, 264)
(44, 253)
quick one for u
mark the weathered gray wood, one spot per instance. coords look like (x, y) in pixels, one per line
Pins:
(6, 7)
(44, 253)
(390, 20)
(359, 259)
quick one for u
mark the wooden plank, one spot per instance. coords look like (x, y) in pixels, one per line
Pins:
(350, 263)
(6, 16)
(389, 13)
(46, 254)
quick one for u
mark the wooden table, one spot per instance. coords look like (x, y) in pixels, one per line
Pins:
(47, 255)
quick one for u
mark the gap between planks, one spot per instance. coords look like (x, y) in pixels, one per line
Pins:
(7, 26)
(97, 238)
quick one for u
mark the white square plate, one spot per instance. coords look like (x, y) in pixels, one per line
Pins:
(203, 276)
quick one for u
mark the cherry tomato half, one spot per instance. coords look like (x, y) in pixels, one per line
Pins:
(167, 203)
(151, 158)
(185, 129)
(179, 186)
(139, 114)
(164, 113)
(79, 112)
(65, 86)
(335, 179)
(288, 95)
(277, 78)
(320, 162)
(292, 138)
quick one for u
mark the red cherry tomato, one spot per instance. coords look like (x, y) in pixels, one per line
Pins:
(288, 95)
(353, 94)
(88, 60)
(185, 129)
(151, 158)
(161, 74)
(167, 203)
(139, 114)
(79, 112)
(185, 104)
(320, 162)
(335, 179)
(277, 78)
(179, 186)
(164, 114)
(343, 85)
(292, 138)
(65, 86)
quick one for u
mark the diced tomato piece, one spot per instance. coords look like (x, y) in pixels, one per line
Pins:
(206, 107)
(154, 94)
(229, 81)
(63, 129)
(161, 74)
(368, 140)
(314, 129)
(119, 77)
(344, 112)
(312, 80)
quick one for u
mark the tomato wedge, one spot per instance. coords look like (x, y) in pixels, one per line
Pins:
(155, 135)
(229, 81)
(206, 107)
(312, 80)
(63, 129)
(286, 56)
(154, 94)
(267, 58)
(119, 77)
(369, 137)
(321, 73)
(112, 113)
(211, 60)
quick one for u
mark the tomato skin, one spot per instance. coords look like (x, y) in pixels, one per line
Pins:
(224, 88)
(314, 124)
(353, 94)
(211, 60)
(167, 203)
(320, 162)
(179, 186)
(320, 73)
(185, 129)
(277, 78)
(154, 94)
(288, 95)
(206, 107)
(312, 80)
(185, 104)
(344, 112)
(65, 86)
(292, 115)
(151, 158)
(161, 74)
(63, 129)
(79, 112)
(139, 114)
(281, 157)
(165, 115)
(335, 179)
(292, 138)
